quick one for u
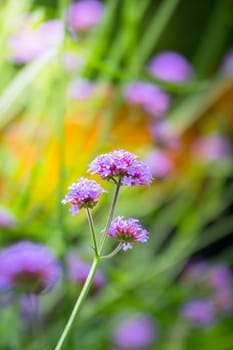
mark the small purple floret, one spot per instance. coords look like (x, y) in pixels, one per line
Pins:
(85, 14)
(83, 194)
(121, 163)
(127, 231)
(29, 267)
(171, 66)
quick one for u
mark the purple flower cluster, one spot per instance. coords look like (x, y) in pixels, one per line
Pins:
(127, 231)
(123, 164)
(148, 96)
(160, 163)
(84, 15)
(29, 267)
(78, 271)
(171, 66)
(83, 194)
(200, 312)
(29, 43)
(212, 147)
(136, 332)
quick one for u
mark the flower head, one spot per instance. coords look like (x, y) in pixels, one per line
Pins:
(160, 163)
(127, 231)
(85, 14)
(83, 194)
(212, 147)
(29, 267)
(170, 66)
(78, 271)
(150, 97)
(29, 43)
(123, 164)
(136, 332)
(200, 312)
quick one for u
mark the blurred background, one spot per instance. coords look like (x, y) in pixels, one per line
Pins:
(154, 77)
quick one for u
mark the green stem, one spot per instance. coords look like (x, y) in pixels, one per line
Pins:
(114, 252)
(78, 304)
(114, 201)
(92, 228)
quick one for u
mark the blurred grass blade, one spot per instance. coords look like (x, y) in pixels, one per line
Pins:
(9, 101)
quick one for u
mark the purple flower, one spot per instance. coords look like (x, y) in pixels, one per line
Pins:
(199, 312)
(135, 333)
(6, 218)
(227, 64)
(212, 147)
(160, 163)
(81, 89)
(78, 270)
(127, 231)
(170, 66)
(83, 194)
(84, 14)
(29, 43)
(121, 163)
(219, 277)
(29, 267)
(164, 134)
(72, 61)
(148, 96)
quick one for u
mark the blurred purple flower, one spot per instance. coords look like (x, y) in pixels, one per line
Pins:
(195, 271)
(29, 43)
(29, 267)
(6, 218)
(121, 163)
(81, 89)
(227, 64)
(127, 231)
(160, 163)
(78, 270)
(219, 277)
(223, 300)
(199, 312)
(84, 15)
(148, 96)
(171, 66)
(72, 61)
(137, 332)
(83, 194)
(212, 147)
(164, 134)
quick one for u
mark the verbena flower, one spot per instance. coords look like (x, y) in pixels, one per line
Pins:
(78, 270)
(127, 231)
(121, 163)
(212, 147)
(83, 194)
(81, 89)
(136, 332)
(171, 66)
(200, 312)
(148, 96)
(30, 42)
(29, 267)
(84, 14)
(160, 163)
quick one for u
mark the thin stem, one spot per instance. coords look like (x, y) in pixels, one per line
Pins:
(114, 201)
(114, 252)
(92, 228)
(78, 304)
